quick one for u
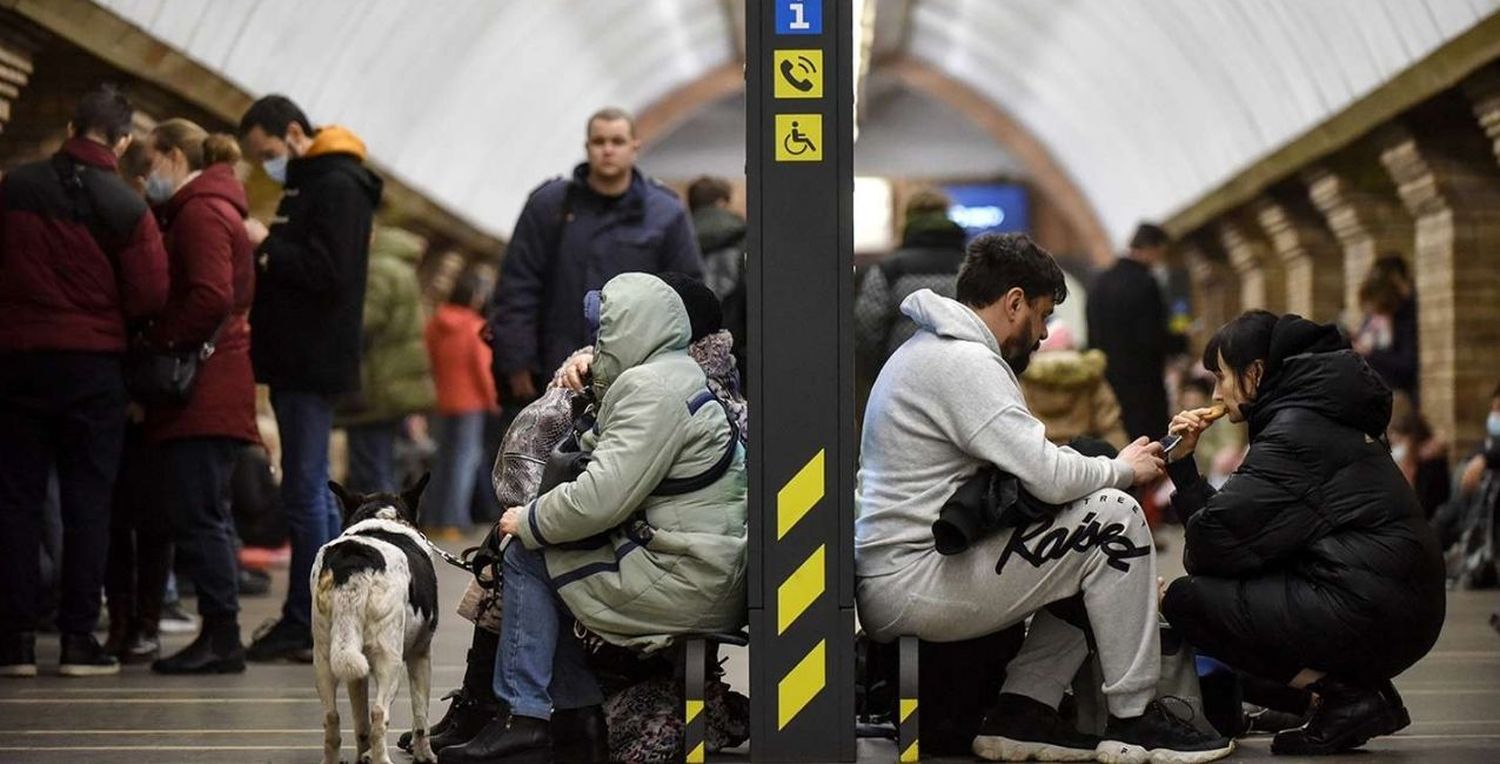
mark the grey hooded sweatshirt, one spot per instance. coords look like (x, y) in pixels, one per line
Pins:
(944, 405)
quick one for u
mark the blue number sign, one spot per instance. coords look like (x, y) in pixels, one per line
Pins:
(799, 16)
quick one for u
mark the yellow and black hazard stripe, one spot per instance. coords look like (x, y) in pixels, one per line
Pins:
(907, 724)
(801, 588)
(695, 722)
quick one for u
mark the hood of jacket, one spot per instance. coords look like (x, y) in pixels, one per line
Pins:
(1310, 366)
(397, 244)
(90, 152)
(717, 229)
(640, 317)
(933, 232)
(335, 150)
(216, 181)
(948, 318)
(1066, 369)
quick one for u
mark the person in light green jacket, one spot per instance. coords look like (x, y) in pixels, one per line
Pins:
(670, 564)
(395, 373)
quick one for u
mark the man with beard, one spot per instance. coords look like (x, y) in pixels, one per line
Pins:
(946, 406)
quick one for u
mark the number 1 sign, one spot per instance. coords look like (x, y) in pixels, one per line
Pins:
(799, 16)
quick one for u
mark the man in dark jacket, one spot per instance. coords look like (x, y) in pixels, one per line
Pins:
(932, 249)
(306, 323)
(575, 234)
(1313, 566)
(1127, 319)
(81, 259)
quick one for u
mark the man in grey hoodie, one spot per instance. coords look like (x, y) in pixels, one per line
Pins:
(947, 404)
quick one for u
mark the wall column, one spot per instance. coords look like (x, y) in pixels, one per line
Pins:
(1313, 261)
(1262, 277)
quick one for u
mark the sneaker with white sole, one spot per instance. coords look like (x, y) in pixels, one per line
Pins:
(175, 620)
(1019, 728)
(82, 655)
(1159, 737)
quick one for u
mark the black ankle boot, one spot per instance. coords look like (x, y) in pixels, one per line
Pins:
(580, 735)
(1343, 717)
(217, 650)
(508, 739)
(465, 718)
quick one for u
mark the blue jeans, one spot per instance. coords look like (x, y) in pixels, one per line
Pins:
(372, 456)
(539, 665)
(313, 518)
(460, 447)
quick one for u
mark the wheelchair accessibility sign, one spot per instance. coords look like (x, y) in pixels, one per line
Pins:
(799, 137)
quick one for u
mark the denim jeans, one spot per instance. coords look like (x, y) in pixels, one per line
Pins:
(460, 446)
(313, 519)
(540, 665)
(63, 411)
(372, 456)
(196, 497)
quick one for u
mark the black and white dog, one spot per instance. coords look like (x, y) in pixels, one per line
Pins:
(374, 608)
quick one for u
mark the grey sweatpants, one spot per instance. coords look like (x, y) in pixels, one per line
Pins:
(1099, 545)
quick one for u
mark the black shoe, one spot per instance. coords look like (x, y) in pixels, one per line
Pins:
(465, 718)
(82, 655)
(217, 650)
(254, 583)
(1400, 717)
(507, 740)
(580, 735)
(1343, 717)
(18, 654)
(281, 640)
(142, 648)
(1019, 728)
(1270, 721)
(1159, 736)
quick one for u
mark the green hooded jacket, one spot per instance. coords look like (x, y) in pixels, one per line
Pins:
(395, 372)
(684, 570)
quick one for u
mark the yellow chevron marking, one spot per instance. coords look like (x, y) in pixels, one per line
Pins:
(910, 754)
(694, 707)
(800, 590)
(799, 495)
(908, 706)
(696, 755)
(801, 685)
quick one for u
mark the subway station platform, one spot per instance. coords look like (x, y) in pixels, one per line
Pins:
(270, 713)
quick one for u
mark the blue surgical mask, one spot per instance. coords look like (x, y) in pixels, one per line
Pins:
(159, 189)
(1492, 424)
(276, 168)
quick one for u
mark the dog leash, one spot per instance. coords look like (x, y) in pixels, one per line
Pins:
(451, 558)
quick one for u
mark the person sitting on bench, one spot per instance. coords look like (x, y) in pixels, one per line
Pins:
(648, 542)
(1313, 566)
(948, 405)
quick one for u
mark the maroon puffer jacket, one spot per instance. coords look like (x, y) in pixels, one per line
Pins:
(213, 276)
(59, 289)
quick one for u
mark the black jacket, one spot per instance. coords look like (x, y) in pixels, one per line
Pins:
(309, 299)
(568, 241)
(1318, 505)
(931, 252)
(1127, 319)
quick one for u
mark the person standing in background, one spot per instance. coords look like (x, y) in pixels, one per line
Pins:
(1127, 319)
(81, 260)
(932, 249)
(307, 321)
(395, 375)
(465, 395)
(721, 239)
(198, 441)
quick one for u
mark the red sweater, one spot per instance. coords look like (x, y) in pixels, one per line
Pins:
(213, 277)
(59, 289)
(460, 361)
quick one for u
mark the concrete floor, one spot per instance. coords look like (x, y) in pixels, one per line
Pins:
(270, 713)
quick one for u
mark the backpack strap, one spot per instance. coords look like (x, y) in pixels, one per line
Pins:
(680, 486)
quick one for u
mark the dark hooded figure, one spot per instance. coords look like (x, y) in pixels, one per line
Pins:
(1312, 566)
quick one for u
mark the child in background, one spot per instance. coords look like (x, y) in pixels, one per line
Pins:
(465, 394)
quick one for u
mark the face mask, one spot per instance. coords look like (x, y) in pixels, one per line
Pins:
(1398, 452)
(1492, 424)
(276, 168)
(159, 189)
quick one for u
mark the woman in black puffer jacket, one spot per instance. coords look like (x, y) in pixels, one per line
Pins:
(1313, 565)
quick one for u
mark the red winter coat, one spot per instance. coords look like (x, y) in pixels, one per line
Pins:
(460, 361)
(59, 290)
(213, 276)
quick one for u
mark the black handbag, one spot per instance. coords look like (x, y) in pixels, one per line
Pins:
(166, 377)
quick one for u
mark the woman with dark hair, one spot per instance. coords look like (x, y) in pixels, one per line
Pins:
(1313, 565)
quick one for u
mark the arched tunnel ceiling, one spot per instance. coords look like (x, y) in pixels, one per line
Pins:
(1146, 104)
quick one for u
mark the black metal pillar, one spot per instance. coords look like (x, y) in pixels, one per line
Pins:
(799, 161)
